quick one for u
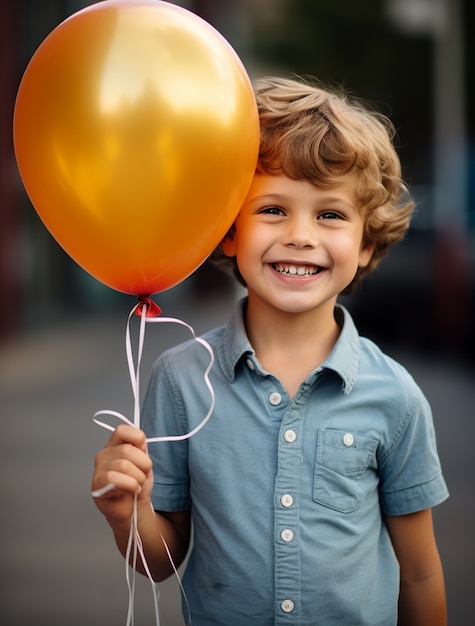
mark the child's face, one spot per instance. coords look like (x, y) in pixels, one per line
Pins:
(297, 246)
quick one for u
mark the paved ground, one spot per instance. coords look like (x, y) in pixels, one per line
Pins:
(58, 564)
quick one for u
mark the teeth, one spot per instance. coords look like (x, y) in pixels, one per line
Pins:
(294, 270)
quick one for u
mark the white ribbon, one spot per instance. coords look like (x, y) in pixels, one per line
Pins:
(134, 546)
(134, 372)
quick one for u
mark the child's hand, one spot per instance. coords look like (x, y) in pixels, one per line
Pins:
(123, 469)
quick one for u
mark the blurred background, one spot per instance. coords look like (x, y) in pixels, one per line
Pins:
(62, 354)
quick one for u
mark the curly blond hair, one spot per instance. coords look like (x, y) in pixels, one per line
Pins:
(327, 137)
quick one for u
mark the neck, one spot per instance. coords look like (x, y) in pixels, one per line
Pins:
(291, 345)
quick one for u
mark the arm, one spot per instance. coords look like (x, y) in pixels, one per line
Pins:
(125, 463)
(422, 594)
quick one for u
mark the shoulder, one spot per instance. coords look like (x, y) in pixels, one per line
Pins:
(387, 376)
(374, 359)
(191, 352)
(180, 375)
(364, 366)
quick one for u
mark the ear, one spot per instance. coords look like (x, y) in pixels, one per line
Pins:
(228, 245)
(366, 254)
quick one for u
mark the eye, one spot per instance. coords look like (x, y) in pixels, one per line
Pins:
(330, 215)
(272, 210)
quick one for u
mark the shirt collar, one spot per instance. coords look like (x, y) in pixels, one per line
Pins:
(234, 342)
(343, 359)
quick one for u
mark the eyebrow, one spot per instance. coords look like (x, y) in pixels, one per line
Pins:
(268, 197)
(280, 197)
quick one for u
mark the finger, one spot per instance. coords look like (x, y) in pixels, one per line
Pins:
(99, 493)
(115, 485)
(124, 457)
(128, 434)
(123, 473)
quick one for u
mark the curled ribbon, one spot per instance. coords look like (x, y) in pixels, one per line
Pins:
(149, 312)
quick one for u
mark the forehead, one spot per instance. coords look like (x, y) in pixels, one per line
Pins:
(269, 186)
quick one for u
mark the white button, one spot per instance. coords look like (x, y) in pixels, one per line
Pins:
(275, 398)
(348, 439)
(250, 364)
(287, 535)
(286, 500)
(290, 436)
(287, 606)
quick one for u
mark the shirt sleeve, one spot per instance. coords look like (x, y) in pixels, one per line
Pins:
(163, 415)
(410, 472)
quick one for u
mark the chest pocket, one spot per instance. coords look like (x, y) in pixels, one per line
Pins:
(342, 478)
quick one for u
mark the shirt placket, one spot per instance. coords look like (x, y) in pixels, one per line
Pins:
(286, 517)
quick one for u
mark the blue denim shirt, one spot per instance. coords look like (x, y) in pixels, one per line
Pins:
(288, 495)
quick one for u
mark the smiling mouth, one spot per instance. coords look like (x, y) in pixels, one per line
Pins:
(288, 269)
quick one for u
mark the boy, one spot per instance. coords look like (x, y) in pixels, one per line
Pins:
(311, 486)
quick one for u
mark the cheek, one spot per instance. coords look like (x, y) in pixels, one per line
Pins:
(232, 245)
(251, 247)
(250, 240)
(345, 245)
(346, 251)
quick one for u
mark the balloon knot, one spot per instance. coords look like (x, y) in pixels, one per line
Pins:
(149, 306)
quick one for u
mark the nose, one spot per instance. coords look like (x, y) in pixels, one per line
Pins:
(300, 233)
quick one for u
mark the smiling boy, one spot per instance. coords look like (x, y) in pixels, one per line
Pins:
(311, 487)
(297, 247)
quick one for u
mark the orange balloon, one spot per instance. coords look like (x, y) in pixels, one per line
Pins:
(136, 135)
